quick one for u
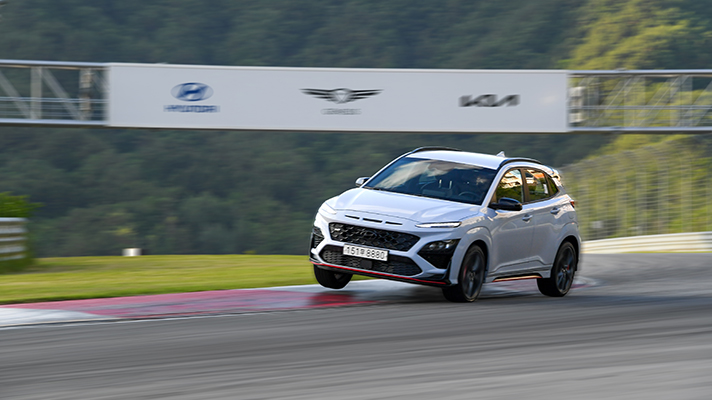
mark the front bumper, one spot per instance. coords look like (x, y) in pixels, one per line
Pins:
(404, 265)
(372, 274)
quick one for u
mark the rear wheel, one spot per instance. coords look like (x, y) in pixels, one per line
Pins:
(470, 279)
(562, 273)
(331, 279)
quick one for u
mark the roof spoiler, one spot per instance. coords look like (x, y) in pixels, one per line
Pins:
(432, 148)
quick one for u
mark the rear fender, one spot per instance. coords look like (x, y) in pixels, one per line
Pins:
(570, 232)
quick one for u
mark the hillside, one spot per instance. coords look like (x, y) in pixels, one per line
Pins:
(234, 192)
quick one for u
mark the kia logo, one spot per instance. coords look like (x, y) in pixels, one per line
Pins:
(489, 100)
(192, 91)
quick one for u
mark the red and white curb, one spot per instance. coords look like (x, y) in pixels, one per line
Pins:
(239, 301)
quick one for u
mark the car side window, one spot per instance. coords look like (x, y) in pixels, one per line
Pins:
(552, 185)
(510, 186)
(539, 185)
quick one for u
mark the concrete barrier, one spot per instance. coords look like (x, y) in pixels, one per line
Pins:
(676, 242)
(131, 252)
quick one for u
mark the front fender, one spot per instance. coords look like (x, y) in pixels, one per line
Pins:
(476, 234)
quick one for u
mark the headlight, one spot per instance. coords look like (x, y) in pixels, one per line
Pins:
(440, 225)
(326, 209)
(440, 246)
(439, 253)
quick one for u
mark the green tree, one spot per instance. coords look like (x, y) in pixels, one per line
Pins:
(642, 34)
(16, 206)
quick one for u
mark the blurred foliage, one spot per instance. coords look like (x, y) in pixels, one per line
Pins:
(243, 192)
(16, 206)
(203, 192)
(644, 34)
(326, 33)
(660, 187)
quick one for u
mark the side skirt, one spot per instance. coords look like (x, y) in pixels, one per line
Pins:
(530, 273)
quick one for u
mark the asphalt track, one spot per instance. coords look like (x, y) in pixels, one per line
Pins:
(638, 327)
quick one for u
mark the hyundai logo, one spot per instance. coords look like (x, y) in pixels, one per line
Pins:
(367, 233)
(192, 91)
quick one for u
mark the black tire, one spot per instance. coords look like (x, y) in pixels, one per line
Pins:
(331, 279)
(470, 278)
(562, 273)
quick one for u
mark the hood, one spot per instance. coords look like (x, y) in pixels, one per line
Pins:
(417, 209)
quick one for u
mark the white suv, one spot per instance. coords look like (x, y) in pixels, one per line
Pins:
(443, 217)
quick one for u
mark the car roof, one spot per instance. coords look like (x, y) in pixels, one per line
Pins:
(464, 157)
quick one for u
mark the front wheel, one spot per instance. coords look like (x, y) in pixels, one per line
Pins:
(330, 279)
(470, 279)
(562, 273)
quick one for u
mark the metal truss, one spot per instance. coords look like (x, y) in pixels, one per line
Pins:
(654, 101)
(52, 93)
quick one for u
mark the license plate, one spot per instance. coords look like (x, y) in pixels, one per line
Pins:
(365, 252)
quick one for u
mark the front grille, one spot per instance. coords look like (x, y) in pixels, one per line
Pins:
(372, 237)
(395, 265)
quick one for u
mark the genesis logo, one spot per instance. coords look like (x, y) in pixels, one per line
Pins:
(341, 95)
(192, 91)
(489, 100)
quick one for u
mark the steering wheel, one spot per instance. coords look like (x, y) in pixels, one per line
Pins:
(467, 194)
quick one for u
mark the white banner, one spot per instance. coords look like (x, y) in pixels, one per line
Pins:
(320, 99)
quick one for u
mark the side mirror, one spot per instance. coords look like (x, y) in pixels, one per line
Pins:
(360, 181)
(506, 204)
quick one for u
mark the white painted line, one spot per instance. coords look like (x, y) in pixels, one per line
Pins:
(23, 316)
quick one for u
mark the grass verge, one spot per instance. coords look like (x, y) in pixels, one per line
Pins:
(93, 277)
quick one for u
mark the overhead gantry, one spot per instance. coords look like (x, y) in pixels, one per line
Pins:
(51, 93)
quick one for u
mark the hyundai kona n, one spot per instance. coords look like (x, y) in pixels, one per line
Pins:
(451, 219)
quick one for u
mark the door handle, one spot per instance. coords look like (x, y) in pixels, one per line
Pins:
(526, 218)
(555, 210)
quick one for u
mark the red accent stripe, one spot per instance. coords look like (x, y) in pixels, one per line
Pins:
(517, 278)
(379, 274)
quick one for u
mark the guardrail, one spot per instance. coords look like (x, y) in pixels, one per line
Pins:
(676, 242)
(13, 239)
(13, 242)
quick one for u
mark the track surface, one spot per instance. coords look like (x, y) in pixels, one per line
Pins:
(644, 331)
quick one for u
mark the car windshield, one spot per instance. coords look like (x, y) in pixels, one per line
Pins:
(436, 179)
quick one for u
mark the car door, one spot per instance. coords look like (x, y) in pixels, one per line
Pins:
(512, 231)
(547, 211)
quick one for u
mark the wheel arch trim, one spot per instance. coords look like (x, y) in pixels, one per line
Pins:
(478, 236)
